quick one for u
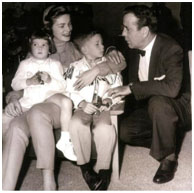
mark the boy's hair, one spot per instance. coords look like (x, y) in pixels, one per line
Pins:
(81, 39)
(41, 34)
(145, 15)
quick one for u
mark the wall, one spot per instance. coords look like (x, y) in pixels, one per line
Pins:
(109, 15)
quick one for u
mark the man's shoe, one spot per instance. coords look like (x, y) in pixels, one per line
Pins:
(91, 177)
(165, 172)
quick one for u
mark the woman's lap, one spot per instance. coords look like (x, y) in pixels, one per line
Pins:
(49, 111)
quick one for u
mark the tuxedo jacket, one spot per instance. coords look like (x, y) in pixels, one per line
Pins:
(165, 70)
(165, 77)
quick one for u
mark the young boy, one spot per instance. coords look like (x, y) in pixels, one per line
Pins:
(91, 120)
(41, 78)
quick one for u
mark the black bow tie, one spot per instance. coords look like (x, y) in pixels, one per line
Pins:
(141, 52)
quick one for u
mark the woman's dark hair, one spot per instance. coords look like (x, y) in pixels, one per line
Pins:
(53, 12)
(82, 38)
(145, 16)
(41, 34)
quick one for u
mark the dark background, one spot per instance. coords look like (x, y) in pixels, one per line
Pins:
(19, 19)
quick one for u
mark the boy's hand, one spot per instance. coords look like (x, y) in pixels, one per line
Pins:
(86, 78)
(106, 103)
(88, 108)
(45, 77)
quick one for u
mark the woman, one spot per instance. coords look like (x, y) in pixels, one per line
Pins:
(57, 20)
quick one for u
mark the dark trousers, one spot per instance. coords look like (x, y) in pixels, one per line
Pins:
(155, 125)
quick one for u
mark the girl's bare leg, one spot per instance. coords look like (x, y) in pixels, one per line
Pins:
(64, 144)
(66, 107)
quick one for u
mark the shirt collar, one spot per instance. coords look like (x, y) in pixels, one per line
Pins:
(150, 45)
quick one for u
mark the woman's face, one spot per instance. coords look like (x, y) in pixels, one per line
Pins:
(62, 28)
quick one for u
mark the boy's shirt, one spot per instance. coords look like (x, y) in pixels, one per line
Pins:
(98, 88)
(34, 94)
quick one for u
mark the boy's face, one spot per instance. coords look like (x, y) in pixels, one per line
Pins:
(94, 47)
(40, 48)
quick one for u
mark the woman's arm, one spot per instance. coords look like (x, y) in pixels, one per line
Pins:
(115, 61)
(102, 69)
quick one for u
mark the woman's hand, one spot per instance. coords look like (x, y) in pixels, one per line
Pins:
(86, 78)
(114, 56)
(121, 91)
(13, 109)
(116, 61)
(88, 108)
(14, 95)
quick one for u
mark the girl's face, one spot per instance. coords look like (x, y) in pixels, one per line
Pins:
(94, 47)
(40, 48)
(62, 28)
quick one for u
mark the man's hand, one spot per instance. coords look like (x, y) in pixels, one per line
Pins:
(86, 78)
(121, 91)
(13, 109)
(88, 108)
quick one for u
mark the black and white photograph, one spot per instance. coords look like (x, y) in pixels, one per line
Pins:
(96, 96)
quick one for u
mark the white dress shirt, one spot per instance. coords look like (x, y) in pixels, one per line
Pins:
(99, 87)
(144, 62)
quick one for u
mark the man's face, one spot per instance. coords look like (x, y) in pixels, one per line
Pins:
(133, 36)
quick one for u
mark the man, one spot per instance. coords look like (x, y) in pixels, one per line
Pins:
(154, 104)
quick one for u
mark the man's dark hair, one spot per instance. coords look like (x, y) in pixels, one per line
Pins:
(145, 16)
